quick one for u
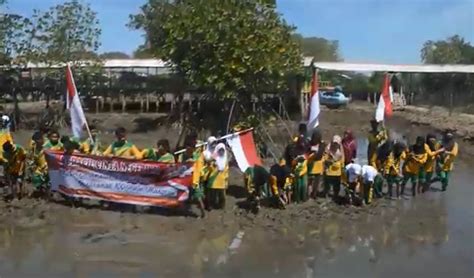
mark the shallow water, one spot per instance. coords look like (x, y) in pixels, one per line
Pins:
(429, 236)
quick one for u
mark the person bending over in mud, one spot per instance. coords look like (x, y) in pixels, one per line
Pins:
(447, 159)
(39, 167)
(372, 181)
(121, 147)
(412, 169)
(353, 173)
(392, 170)
(92, 146)
(160, 154)
(14, 162)
(53, 142)
(261, 184)
(376, 137)
(432, 148)
(334, 163)
(315, 164)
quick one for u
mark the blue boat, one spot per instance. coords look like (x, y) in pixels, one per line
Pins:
(333, 97)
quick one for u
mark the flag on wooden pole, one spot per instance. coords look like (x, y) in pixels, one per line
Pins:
(314, 109)
(384, 107)
(73, 103)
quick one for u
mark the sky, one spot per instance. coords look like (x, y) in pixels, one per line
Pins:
(384, 31)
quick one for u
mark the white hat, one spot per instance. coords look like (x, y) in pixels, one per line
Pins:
(211, 139)
(337, 139)
(5, 118)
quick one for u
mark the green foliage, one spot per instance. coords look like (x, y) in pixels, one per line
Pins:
(453, 50)
(114, 55)
(143, 52)
(223, 47)
(321, 49)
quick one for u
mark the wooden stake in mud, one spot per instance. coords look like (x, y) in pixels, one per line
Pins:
(97, 105)
(147, 104)
(111, 104)
(124, 103)
(229, 118)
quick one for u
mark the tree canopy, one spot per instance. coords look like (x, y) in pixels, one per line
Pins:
(222, 47)
(114, 55)
(321, 49)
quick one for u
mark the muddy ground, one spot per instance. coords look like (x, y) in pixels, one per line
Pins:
(429, 236)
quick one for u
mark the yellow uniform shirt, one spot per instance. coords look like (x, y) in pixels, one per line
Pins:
(448, 161)
(392, 165)
(5, 136)
(375, 139)
(414, 162)
(126, 150)
(39, 165)
(315, 167)
(334, 168)
(14, 162)
(431, 158)
(217, 179)
(300, 169)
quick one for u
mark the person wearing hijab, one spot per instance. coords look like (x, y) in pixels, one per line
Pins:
(349, 145)
(334, 163)
(447, 159)
(218, 176)
(315, 163)
(392, 168)
(414, 163)
(377, 136)
(433, 149)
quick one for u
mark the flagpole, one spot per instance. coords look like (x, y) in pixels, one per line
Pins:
(219, 139)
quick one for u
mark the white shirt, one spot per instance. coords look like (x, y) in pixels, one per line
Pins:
(353, 171)
(369, 173)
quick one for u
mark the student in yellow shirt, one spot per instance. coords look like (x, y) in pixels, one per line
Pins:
(160, 154)
(316, 164)
(217, 181)
(14, 158)
(53, 143)
(39, 167)
(200, 171)
(281, 182)
(392, 168)
(414, 162)
(5, 135)
(447, 158)
(377, 136)
(92, 146)
(432, 149)
(121, 147)
(334, 164)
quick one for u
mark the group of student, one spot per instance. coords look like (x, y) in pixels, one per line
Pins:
(309, 163)
(309, 167)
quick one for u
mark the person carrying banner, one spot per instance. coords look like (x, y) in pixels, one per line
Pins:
(14, 162)
(392, 168)
(447, 158)
(53, 142)
(218, 176)
(316, 163)
(121, 147)
(160, 154)
(92, 145)
(414, 162)
(376, 137)
(433, 149)
(334, 163)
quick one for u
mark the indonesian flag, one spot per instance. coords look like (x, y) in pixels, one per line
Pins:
(73, 103)
(384, 108)
(313, 119)
(243, 147)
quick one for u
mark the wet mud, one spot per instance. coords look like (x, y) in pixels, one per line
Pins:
(427, 236)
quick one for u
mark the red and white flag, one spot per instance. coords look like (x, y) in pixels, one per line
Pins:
(384, 108)
(314, 109)
(73, 103)
(243, 147)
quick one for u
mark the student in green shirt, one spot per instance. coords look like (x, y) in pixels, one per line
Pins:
(160, 154)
